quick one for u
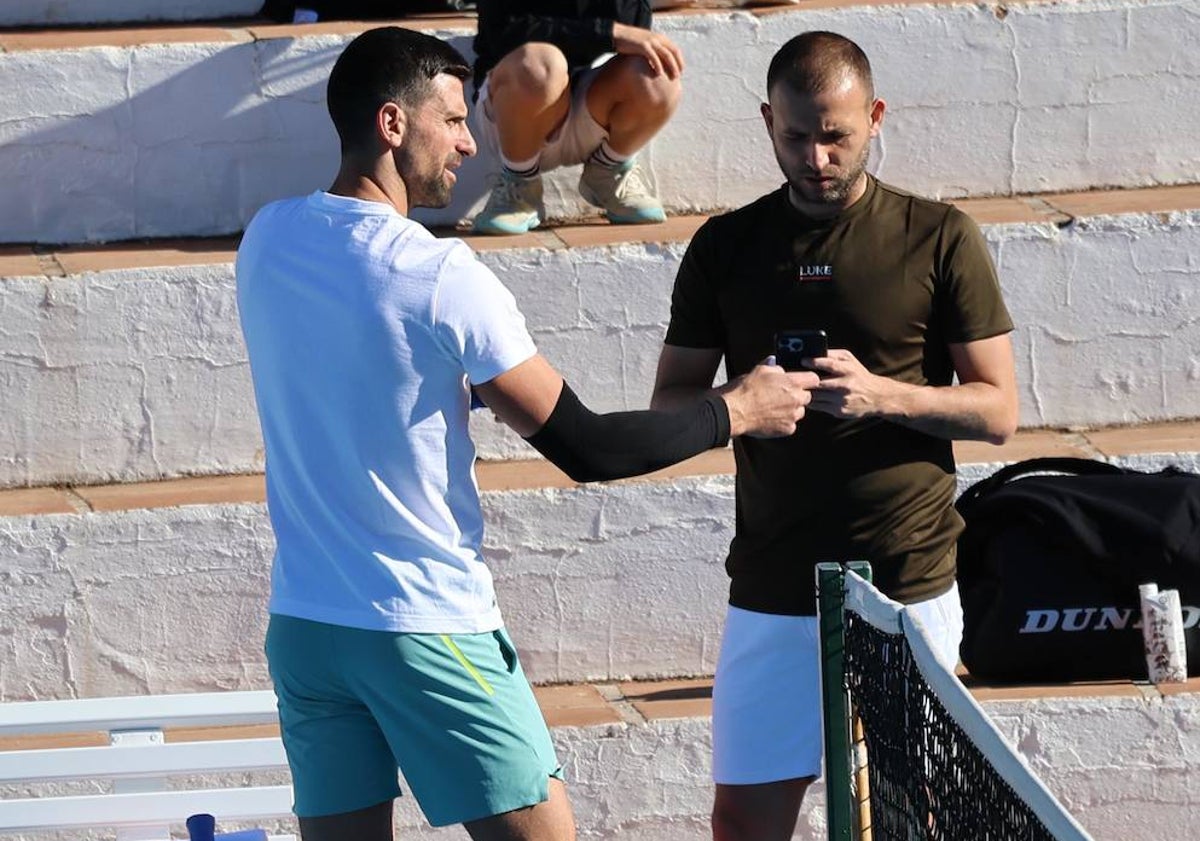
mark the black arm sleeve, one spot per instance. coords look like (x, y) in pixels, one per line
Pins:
(589, 447)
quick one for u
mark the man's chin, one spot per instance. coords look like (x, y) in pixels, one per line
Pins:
(813, 195)
(434, 201)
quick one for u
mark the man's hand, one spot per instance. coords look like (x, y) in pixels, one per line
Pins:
(982, 406)
(659, 51)
(768, 401)
(848, 390)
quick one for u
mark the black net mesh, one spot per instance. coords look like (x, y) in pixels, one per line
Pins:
(926, 779)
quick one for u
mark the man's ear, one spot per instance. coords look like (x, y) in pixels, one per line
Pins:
(390, 124)
(768, 117)
(877, 109)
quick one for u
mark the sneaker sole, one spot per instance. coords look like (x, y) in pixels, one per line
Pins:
(643, 218)
(496, 229)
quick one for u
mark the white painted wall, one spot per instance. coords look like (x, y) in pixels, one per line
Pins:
(1125, 767)
(111, 604)
(175, 139)
(135, 374)
(1106, 313)
(130, 373)
(63, 12)
(600, 582)
(172, 600)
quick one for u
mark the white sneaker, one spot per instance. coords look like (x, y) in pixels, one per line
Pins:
(514, 207)
(622, 192)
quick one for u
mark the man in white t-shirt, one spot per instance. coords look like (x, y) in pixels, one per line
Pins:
(366, 336)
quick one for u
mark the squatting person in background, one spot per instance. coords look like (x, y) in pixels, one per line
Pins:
(544, 102)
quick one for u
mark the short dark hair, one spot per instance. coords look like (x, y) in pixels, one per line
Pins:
(388, 64)
(812, 62)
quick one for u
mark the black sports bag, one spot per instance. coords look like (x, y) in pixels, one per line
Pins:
(1049, 568)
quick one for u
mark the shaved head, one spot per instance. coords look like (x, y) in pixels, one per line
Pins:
(820, 62)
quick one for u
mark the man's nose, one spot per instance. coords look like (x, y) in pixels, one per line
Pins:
(466, 144)
(816, 156)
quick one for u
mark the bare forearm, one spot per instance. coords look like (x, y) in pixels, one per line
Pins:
(969, 411)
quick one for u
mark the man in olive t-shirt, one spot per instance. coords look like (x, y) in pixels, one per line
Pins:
(907, 294)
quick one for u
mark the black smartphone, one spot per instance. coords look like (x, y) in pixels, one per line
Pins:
(793, 345)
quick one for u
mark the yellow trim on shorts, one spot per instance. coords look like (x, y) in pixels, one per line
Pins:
(467, 664)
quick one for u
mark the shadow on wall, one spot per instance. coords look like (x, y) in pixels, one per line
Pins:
(90, 12)
(183, 140)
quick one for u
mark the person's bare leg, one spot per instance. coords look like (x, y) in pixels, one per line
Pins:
(373, 823)
(630, 103)
(550, 820)
(763, 812)
(529, 92)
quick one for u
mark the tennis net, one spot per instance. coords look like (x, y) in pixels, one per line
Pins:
(909, 753)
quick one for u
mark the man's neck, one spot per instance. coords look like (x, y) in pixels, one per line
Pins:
(375, 183)
(819, 210)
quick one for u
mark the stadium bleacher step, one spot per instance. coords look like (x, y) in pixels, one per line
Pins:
(624, 579)
(58, 13)
(637, 753)
(186, 131)
(65, 13)
(646, 777)
(135, 349)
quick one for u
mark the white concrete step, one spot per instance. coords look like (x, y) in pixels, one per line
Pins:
(154, 133)
(637, 757)
(1110, 753)
(160, 587)
(58, 13)
(89, 12)
(126, 363)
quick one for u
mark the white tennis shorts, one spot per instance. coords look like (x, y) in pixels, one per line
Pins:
(767, 693)
(571, 143)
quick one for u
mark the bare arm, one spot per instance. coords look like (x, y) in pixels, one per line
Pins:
(525, 396)
(982, 406)
(660, 52)
(684, 375)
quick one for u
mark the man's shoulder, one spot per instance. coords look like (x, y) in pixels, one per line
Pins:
(271, 224)
(275, 209)
(446, 252)
(748, 215)
(915, 207)
(437, 260)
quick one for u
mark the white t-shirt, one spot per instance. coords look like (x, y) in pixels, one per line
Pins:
(363, 332)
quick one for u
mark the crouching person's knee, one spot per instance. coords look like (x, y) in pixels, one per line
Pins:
(536, 71)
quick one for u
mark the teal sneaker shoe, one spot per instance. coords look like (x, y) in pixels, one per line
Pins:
(622, 192)
(514, 207)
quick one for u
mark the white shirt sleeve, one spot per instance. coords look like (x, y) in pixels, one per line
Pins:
(476, 318)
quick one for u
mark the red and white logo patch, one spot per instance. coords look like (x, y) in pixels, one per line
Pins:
(814, 273)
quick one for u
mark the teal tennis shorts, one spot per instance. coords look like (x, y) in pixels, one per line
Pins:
(453, 712)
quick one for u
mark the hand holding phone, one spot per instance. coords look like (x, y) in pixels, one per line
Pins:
(793, 345)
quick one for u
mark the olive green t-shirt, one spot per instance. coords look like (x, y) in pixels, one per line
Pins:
(894, 279)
